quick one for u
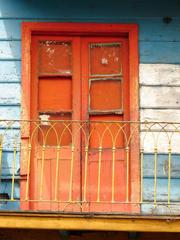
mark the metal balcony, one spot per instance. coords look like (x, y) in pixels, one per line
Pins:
(102, 167)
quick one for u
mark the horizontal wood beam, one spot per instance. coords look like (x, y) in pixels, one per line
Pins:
(94, 223)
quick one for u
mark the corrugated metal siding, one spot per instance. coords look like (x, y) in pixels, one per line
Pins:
(159, 45)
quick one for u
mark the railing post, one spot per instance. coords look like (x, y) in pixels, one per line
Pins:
(155, 176)
(142, 173)
(169, 176)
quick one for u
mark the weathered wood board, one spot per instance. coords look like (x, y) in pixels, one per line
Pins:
(159, 74)
(160, 209)
(94, 10)
(9, 113)
(10, 71)
(151, 29)
(162, 189)
(161, 141)
(162, 165)
(10, 94)
(160, 52)
(160, 115)
(8, 163)
(6, 187)
(10, 136)
(159, 97)
(10, 50)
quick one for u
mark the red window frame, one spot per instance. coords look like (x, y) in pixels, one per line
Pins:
(85, 29)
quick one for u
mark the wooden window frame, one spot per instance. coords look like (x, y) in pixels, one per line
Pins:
(86, 29)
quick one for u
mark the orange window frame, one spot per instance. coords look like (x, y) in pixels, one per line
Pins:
(85, 29)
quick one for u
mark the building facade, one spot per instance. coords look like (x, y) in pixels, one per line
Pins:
(89, 118)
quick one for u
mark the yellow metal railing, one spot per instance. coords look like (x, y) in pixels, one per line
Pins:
(90, 166)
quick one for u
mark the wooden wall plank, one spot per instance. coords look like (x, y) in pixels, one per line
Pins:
(154, 29)
(10, 206)
(160, 140)
(162, 165)
(10, 50)
(98, 9)
(10, 71)
(149, 208)
(10, 29)
(159, 74)
(7, 163)
(10, 136)
(150, 29)
(9, 112)
(10, 93)
(161, 115)
(159, 97)
(6, 187)
(162, 189)
(160, 52)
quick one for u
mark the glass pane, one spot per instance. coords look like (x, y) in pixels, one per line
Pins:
(105, 58)
(56, 132)
(105, 95)
(55, 94)
(55, 57)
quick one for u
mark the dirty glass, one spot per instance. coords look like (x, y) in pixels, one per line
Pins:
(105, 59)
(55, 57)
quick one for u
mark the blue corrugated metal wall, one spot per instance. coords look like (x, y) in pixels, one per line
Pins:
(159, 43)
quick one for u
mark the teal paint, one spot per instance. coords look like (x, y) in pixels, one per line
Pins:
(162, 166)
(90, 8)
(10, 93)
(10, 71)
(7, 164)
(10, 112)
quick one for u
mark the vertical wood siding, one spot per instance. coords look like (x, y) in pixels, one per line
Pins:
(159, 46)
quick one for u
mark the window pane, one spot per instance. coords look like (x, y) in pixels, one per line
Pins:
(55, 57)
(105, 58)
(55, 94)
(105, 95)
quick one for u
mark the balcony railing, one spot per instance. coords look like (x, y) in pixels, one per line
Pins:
(90, 166)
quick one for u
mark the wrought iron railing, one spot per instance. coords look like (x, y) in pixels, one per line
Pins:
(90, 166)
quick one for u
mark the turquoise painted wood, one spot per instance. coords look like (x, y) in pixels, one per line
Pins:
(162, 166)
(162, 189)
(10, 112)
(10, 50)
(161, 209)
(93, 9)
(6, 188)
(6, 185)
(10, 137)
(7, 164)
(10, 93)
(160, 52)
(10, 71)
(151, 29)
(10, 205)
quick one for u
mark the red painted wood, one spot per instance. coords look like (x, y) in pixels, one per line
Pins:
(50, 95)
(109, 92)
(126, 34)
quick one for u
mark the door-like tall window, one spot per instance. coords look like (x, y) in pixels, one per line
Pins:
(80, 98)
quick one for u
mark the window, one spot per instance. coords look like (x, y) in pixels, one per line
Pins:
(84, 78)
